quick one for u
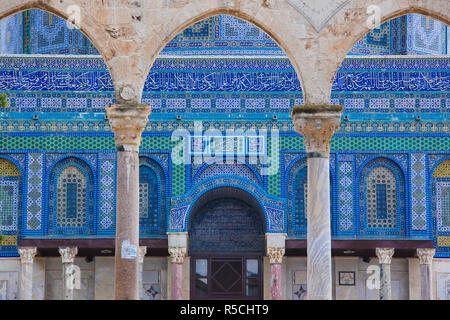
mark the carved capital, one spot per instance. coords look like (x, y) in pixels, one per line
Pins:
(317, 124)
(177, 254)
(275, 254)
(128, 122)
(142, 251)
(68, 254)
(384, 255)
(425, 255)
(27, 254)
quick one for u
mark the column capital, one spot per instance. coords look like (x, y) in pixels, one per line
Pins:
(128, 122)
(142, 251)
(275, 254)
(384, 255)
(68, 254)
(317, 123)
(27, 254)
(426, 255)
(177, 254)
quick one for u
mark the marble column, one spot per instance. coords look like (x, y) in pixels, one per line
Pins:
(425, 260)
(141, 255)
(177, 255)
(68, 256)
(127, 122)
(26, 272)
(317, 124)
(384, 259)
(275, 258)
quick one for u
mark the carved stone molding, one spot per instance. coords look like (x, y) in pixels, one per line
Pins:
(317, 124)
(384, 255)
(142, 251)
(128, 122)
(177, 254)
(318, 12)
(426, 255)
(68, 254)
(269, 4)
(27, 254)
(275, 255)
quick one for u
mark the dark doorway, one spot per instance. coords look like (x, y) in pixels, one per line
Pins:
(226, 239)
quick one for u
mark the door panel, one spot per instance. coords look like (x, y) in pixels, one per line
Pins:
(226, 277)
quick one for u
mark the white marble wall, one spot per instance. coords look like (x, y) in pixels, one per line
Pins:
(441, 279)
(53, 279)
(154, 278)
(9, 278)
(296, 279)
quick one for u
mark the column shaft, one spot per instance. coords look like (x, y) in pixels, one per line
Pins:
(319, 230)
(127, 122)
(69, 272)
(177, 281)
(317, 123)
(426, 260)
(385, 282)
(127, 225)
(275, 281)
(425, 282)
(26, 272)
(384, 258)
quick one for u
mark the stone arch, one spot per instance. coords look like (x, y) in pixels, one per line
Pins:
(176, 23)
(351, 22)
(245, 171)
(88, 24)
(247, 224)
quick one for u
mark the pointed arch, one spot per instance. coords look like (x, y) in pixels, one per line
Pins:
(71, 202)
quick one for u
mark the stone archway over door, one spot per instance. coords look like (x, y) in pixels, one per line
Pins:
(227, 242)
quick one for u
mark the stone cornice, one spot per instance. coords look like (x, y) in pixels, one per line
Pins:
(128, 122)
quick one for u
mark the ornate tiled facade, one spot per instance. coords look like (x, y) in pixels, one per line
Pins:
(55, 121)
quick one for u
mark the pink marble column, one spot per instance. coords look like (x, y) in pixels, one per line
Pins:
(127, 122)
(317, 123)
(177, 258)
(425, 260)
(275, 258)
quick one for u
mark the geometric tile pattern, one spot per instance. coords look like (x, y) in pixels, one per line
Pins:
(381, 198)
(107, 191)
(345, 196)
(418, 192)
(71, 186)
(34, 192)
(390, 218)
